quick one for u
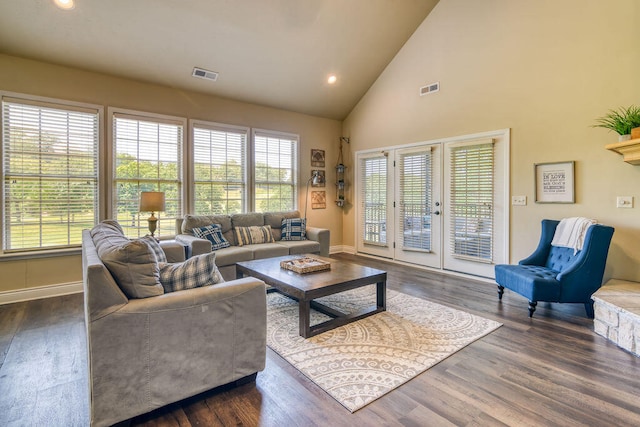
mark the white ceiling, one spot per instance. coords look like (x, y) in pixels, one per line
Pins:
(277, 53)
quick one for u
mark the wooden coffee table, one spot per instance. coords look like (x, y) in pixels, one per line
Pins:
(305, 288)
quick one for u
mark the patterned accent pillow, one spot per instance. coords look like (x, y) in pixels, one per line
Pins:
(254, 234)
(212, 233)
(197, 271)
(155, 247)
(294, 228)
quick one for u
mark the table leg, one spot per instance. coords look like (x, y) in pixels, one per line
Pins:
(381, 294)
(304, 315)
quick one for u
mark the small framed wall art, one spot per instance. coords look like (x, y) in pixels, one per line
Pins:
(317, 158)
(554, 182)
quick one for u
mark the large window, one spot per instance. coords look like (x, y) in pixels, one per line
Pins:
(219, 168)
(49, 172)
(275, 160)
(147, 156)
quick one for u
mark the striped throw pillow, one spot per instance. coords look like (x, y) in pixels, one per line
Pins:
(254, 234)
(294, 228)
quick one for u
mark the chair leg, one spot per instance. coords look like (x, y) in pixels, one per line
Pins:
(588, 306)
(500, 292)
(532, 307)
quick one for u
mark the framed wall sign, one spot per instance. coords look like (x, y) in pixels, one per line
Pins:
(555, 182)
(317, 158)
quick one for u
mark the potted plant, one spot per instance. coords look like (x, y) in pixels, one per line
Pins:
(621, 121)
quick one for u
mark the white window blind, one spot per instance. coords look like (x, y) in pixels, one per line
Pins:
(471, 207)
(415, 175)
(374, 200)
(147, 157)
(275, 160)
(50, 173)
(220, 169)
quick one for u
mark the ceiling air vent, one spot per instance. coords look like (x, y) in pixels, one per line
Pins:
(205, 74)
(430, 88)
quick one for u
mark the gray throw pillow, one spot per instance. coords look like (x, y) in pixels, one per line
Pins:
(132, 263)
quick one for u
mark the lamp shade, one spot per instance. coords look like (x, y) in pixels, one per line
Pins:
(151, 201)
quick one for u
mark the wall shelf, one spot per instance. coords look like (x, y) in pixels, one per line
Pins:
(630, 150)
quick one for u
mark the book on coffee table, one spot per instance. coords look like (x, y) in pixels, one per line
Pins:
(305, 265)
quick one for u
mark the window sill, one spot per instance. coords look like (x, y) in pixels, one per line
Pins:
(17, 256)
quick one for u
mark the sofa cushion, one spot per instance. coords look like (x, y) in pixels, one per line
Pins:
(213, 233)
(232, 255)
(301, 247)
(197, 221)
(293, 228)
(253, 235)
(274, 219)
(250, 219)
(132, 263)
(197, 271)
(267, 250)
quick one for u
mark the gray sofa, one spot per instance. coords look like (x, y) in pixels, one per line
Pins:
(317, 239)
(148, 352)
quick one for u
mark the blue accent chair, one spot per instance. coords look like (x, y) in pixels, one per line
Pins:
(555, 274)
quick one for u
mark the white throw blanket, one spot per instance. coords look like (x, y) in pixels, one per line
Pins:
(570, 233)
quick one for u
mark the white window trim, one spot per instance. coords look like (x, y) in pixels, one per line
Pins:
(251, 165)
(190, 160)
(109, 182)
(61, 103)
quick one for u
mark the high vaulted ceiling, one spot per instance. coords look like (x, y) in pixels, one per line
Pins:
(277, 53)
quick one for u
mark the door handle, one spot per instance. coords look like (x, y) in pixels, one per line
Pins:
(436, 213)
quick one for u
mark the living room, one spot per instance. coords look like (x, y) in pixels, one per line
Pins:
(543, 70)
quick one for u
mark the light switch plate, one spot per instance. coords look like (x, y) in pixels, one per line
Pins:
(519, 200)
(624, 202)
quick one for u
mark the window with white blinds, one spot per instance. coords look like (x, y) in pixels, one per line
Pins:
(147, 153)
(275, 168)
(471, 205)
(415, 176)
(219, 168)
(373, 197)
(49, 173)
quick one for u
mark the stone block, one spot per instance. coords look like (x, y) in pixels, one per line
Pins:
(606, 314)
(600, 328)
(626, 336)
(612, 335)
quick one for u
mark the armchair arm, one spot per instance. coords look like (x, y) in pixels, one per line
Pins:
(322, 236)
(540, 255)
(195, 245)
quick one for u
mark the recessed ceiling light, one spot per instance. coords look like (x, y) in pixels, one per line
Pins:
(64, 4)
(332, 79)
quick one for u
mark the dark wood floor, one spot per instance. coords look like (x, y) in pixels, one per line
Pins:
(550, 370)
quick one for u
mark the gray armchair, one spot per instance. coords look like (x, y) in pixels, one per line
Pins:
(146, 353)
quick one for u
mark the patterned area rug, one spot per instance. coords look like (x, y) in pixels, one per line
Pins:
(361, 361)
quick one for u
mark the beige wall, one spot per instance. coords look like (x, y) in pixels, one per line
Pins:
(546, 69)
(42, 79)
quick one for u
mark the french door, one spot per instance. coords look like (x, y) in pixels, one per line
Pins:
(418, 205)
(438, 204)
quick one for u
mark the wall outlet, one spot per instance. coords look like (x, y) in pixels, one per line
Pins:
(624, 202)
(519, 200)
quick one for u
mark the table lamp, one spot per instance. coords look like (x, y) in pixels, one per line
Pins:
(152, 201)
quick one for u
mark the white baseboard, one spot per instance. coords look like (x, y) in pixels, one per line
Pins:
(342, 249)
(27, 294)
